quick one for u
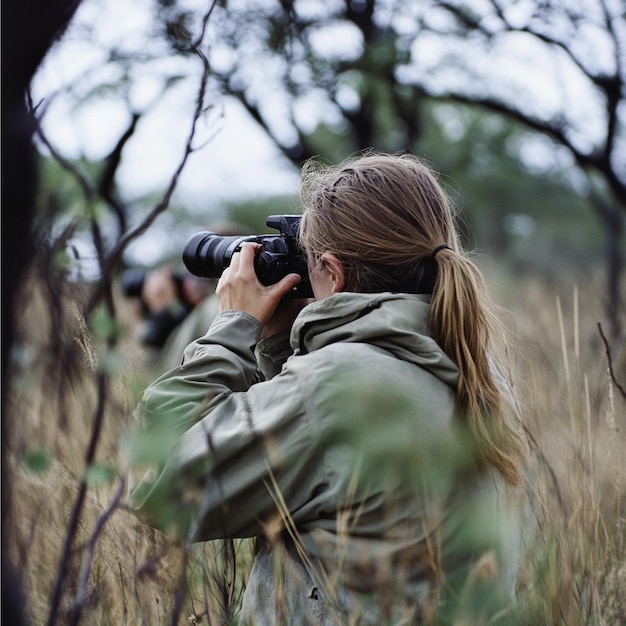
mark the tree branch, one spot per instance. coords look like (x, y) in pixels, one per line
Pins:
(81, 595)
(87, 188)
(77, 509)
(611, 85)
(595, 160)
(106, 187)
(610, 362)
(165, 200)
(108, 263)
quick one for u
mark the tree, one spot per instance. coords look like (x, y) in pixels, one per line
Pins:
(25, 42)
(582, 40)
(334, 77)
(271, 58)
(362, 69)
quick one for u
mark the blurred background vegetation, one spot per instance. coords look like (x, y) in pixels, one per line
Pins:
(520, 107)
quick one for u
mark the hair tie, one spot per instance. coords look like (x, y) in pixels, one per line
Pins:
(438, 248)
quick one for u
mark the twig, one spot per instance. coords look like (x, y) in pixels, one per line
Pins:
(104, 291)
(610, 360)
(181, 588)
(87, 188)
(91, 548)
(106, 186)
(75, 516)
(189, 149)
(113, 257)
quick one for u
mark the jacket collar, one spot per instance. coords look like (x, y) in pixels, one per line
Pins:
(395, 322)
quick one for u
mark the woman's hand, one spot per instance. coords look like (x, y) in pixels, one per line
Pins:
(239, 288)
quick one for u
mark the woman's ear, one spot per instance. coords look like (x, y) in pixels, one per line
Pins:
(335, 269)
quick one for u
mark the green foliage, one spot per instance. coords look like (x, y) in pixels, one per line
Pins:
(332, 143)
(61, 259)
(162, 499)
(153, 445)
(534, 218)
(111, 362)
(392, 428)
(36, 461)
(104, 326)
(253, 213)
(100, 474)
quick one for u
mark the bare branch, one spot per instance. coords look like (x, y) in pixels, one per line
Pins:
(77, 509)
(467, 20)
(205, 20)
(87, 188)
(611, 85)
(619, 52)
(598, 160)
(614, 86)
(165, 200)
(181, 588)
(108, 263)
(475, 25)
(107, 180)
(91, 548)
(610, 361)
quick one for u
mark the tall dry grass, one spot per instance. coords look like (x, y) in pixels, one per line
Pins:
(118, 571)
(575, 572)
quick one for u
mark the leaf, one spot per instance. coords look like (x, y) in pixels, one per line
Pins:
(153, 445)
(104, 325)
(61, 259)
(36, 461)
(395, 432)
(100, 474)
(111, 362)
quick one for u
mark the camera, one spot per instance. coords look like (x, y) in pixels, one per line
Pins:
(207, 254)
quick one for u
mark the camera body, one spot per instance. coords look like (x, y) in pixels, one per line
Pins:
(207, 254)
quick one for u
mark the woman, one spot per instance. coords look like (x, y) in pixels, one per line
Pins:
(376, 451)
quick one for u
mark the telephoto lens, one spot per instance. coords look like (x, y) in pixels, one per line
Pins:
(208, 254)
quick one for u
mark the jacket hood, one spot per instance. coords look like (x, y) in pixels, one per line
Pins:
(395, 322)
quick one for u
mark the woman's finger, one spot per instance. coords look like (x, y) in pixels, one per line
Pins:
(245, 257)
(234, 261)
(285, 285)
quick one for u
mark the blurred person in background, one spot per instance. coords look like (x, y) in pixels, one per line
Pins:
(176, 307)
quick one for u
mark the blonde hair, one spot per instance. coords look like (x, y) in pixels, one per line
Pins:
(383, 216)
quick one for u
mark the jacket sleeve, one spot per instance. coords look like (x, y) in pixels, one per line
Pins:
(231, 440)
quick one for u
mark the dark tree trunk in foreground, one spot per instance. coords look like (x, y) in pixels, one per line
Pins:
(29, 28)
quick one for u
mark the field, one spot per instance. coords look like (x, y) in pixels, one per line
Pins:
(84, 558)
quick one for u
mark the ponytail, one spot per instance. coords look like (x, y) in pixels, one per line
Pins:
(463, 323)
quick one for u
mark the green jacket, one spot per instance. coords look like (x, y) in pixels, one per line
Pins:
(346, 458)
